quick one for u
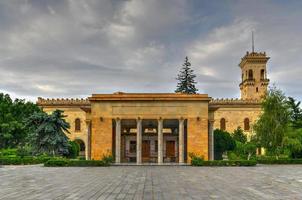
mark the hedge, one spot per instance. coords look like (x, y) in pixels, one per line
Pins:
(27, 160)
(280, 161)
(224, 163)
(75, 163)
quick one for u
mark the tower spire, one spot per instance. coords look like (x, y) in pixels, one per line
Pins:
(253, 47)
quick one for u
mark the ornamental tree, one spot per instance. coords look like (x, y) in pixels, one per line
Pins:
(186, 79)
(274, 121)
(48, 133)
(13, 113)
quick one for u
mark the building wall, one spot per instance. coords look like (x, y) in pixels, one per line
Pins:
(72, 113)
(235, 116)
(103, 113)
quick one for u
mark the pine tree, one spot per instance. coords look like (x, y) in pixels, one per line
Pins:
(186, 82)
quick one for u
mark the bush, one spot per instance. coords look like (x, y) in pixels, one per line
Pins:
(226, 163)
(108, 159)
(73, 150)
(26, 160)
(196, 160)
(56, 163)
(74, 163)
(280, 161)
(8, 152)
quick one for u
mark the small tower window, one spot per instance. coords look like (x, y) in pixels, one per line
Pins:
(77, 124)
(250, 74)
(246, 124)
(262, 74)
(256, 89)
(222, 124)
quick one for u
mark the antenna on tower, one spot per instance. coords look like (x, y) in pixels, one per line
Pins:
(253, 47)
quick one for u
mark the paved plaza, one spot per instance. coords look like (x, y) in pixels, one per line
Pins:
(151, 182)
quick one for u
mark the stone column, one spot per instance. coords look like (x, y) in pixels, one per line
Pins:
(88, 141)
(211, 140)
(160, 141)
(117, 140)
(181, 141)
(139, 141)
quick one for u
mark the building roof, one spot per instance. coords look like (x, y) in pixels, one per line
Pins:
(121, 96)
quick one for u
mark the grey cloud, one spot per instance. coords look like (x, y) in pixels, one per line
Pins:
(75, 48)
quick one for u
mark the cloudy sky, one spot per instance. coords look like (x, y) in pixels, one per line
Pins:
(74, 48)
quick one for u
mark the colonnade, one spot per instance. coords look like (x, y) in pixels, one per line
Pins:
(139, 137)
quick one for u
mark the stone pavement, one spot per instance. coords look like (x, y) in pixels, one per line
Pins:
(151, 182)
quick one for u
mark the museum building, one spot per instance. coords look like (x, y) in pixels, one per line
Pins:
(162, 127)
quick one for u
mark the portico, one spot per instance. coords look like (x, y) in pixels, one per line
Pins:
(149, 128)
(149, 141)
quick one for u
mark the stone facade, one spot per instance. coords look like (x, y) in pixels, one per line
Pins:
(162, 127)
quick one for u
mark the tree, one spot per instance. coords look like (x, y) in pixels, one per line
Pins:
(12, 116)
(292, 142)
(48, 133)
(238, 135)
(273, 122)
(295, 112)
(186, 82)
(222, 142)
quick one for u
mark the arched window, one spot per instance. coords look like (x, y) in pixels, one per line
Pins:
(222, 124)
(257, 89)
(246, 124)
(77, 124)
(250, 74)
(262, 74)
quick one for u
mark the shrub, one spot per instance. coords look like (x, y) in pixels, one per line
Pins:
(196, 160)
(74, 163)
(226, 163)
(56, 163)
(279, 161)
(8, 152)
(108, 159)
(26, 160)
(73, 149)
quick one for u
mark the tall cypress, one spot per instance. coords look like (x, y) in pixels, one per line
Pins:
(186, 79)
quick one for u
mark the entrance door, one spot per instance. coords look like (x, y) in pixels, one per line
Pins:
(170, 149)
(146, 150)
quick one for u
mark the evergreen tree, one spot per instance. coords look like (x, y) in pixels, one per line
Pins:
(186, 82)
(48, 133)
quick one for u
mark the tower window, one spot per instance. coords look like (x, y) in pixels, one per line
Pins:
(246, 124)
(77, 124)
(256, 89)
(250, 74)
(262, 74)
(222, 124)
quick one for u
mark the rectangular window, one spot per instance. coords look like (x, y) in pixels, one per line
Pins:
(132, 146)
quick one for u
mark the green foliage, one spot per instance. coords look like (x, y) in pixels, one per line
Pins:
(295, 112)
(273, 123)
(48, 133)
(279, 161)
(75, 163)
(228, 163)
(13, 113)
(196, 160)
(239, 136)
(292, 142)
(108, 159)
(26, 160)
(186, 79)
(222, 142)
(73, 150)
